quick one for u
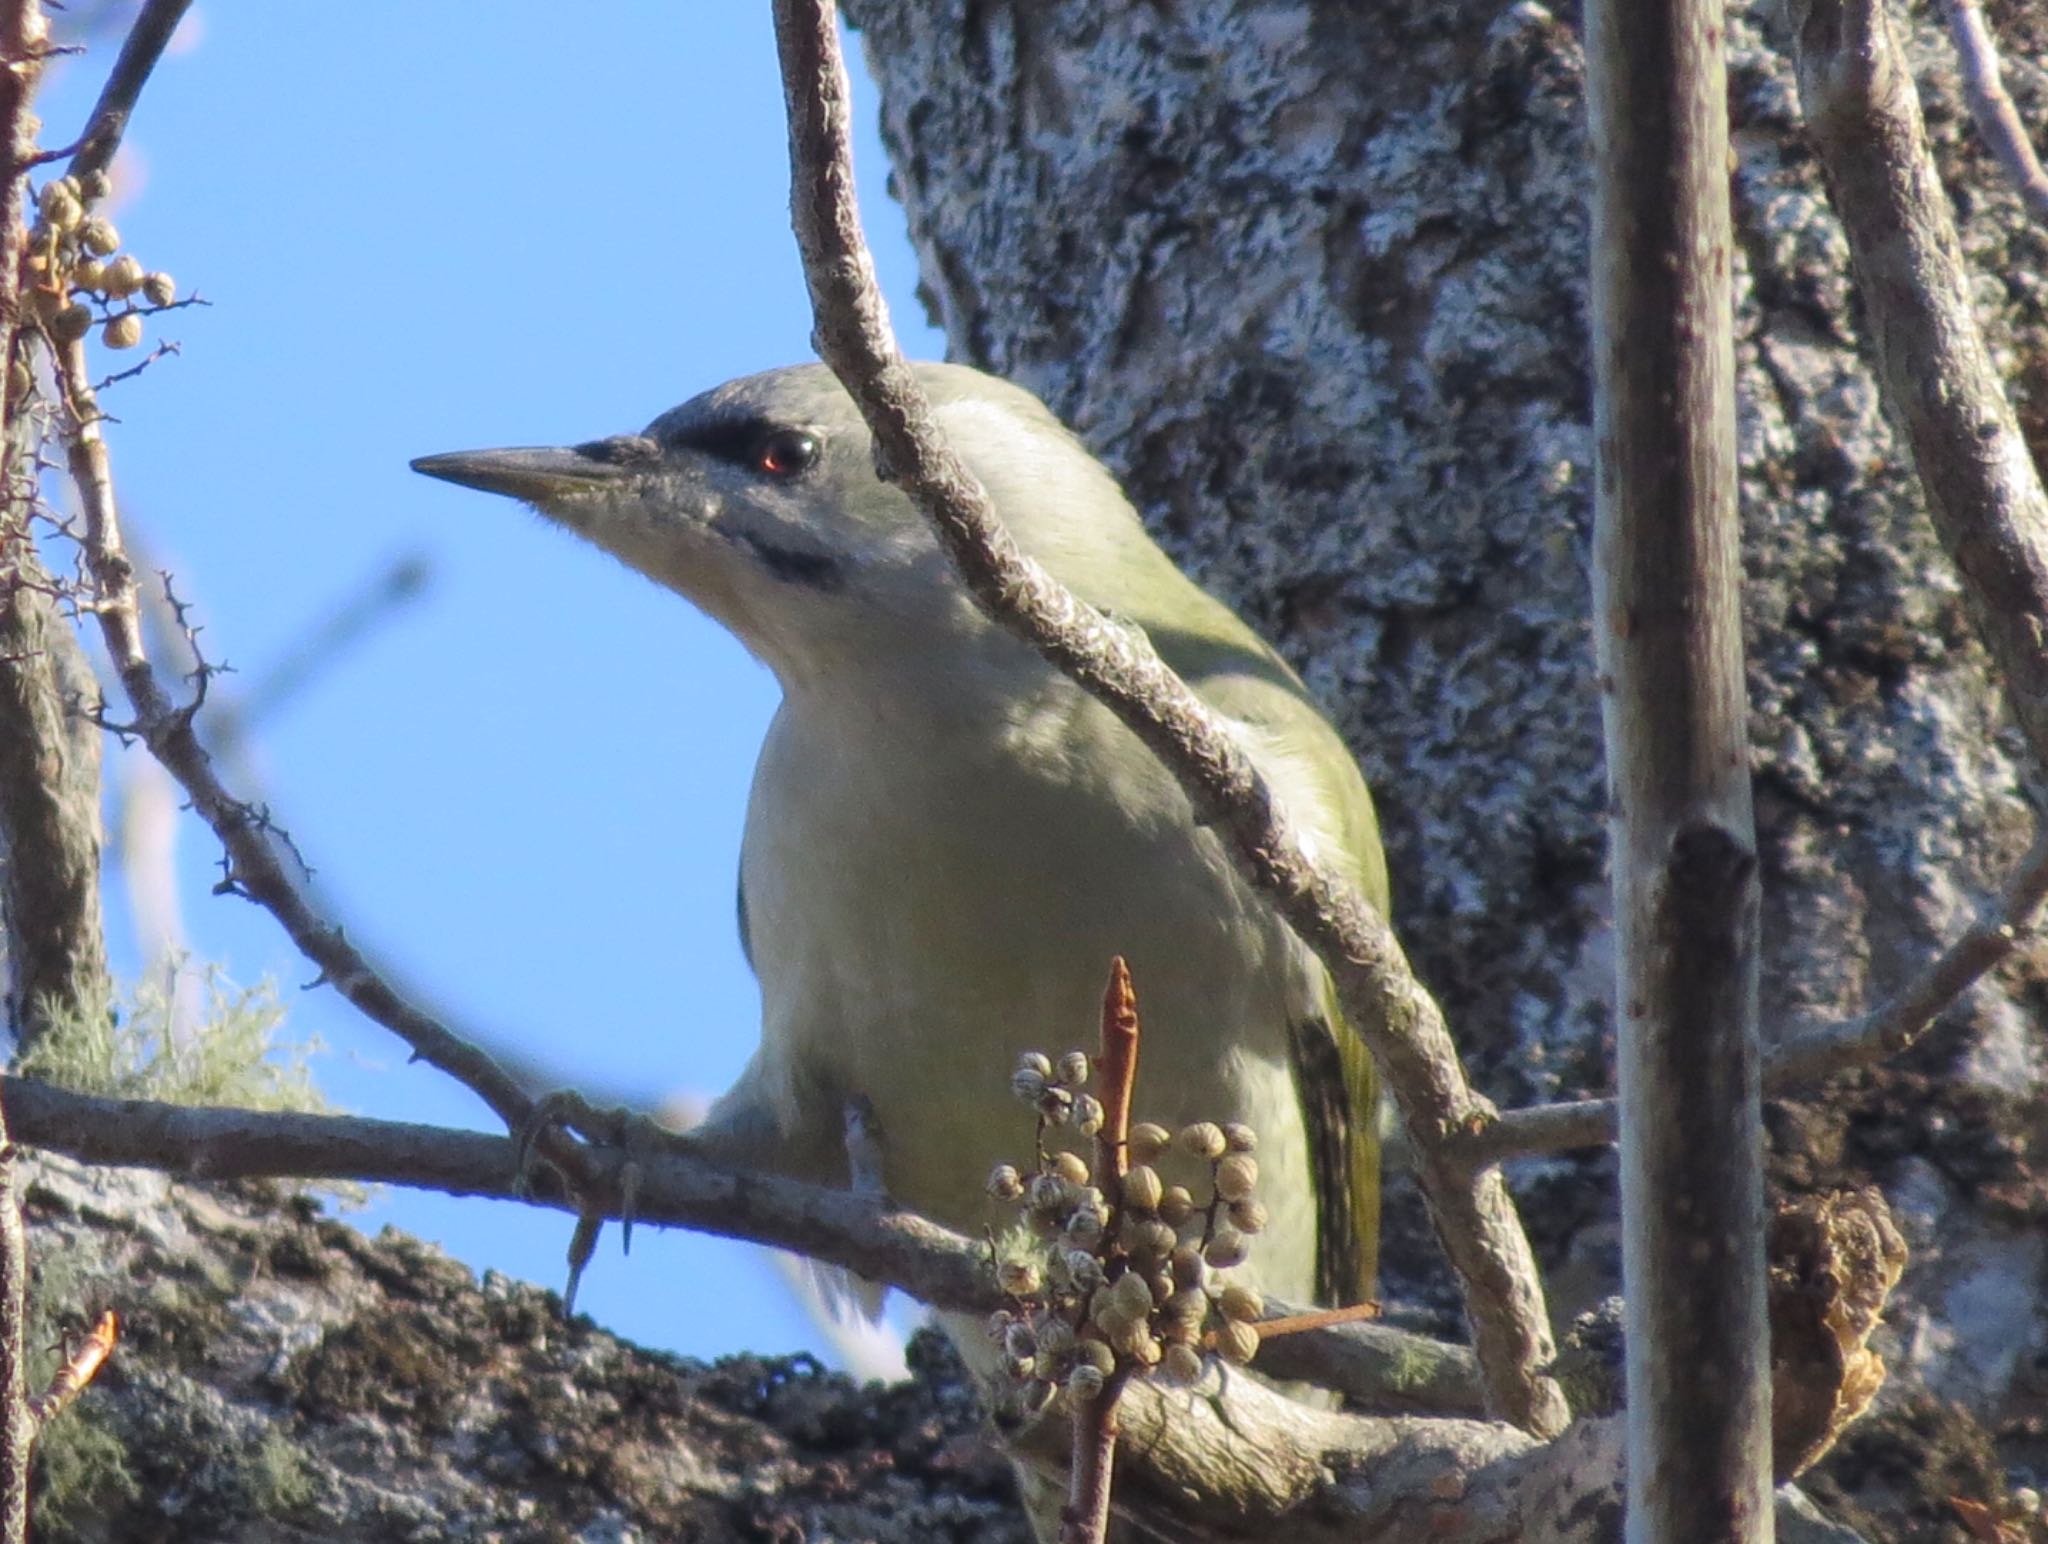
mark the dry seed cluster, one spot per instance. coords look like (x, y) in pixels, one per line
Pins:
(1133, 1279)
(75, 264)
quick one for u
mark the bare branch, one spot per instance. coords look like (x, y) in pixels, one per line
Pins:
(140, 51)
(1983, 489)
(1997, 119)
(1810, 1055)
(1472, 1210)
(1387, 1369)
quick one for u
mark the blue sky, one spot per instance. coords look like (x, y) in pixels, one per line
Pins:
(524, 789)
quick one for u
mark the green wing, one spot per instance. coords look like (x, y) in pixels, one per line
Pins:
(1334, 1074)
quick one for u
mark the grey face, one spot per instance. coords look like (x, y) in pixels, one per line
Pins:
(767, 473)
(760, 502)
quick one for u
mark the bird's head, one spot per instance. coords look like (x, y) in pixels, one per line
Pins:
(760, 502)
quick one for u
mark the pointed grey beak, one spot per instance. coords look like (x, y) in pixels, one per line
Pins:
(535, 474)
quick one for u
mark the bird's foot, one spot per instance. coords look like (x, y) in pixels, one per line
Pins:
(624, 1137)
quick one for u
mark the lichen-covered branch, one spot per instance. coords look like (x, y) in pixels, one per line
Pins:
(1474, 1215)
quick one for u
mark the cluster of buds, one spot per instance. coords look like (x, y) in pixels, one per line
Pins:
(1131, 1281)
(79, 275)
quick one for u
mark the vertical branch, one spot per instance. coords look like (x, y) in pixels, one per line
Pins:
(1668, 617)
(24, 37)
(53, 950)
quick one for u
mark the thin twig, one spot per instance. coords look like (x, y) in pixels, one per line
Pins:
(1805, 1058)
(259, 861)
(1997, 119)
(1474, 1215)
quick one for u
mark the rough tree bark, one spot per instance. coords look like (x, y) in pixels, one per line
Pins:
(1312, 278)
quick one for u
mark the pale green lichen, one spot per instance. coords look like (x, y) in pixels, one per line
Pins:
(235, 1056)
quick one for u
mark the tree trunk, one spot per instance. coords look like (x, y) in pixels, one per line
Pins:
(1313, 280)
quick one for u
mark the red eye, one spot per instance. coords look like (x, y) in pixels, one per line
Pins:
(786, 453)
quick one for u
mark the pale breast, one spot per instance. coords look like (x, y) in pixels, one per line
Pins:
(929, 897)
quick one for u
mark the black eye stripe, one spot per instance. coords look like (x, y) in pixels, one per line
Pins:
(749, 442)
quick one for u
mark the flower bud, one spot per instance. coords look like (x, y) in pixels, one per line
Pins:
(1176, 1206)
(1069, 1167)
(71, 324)
(123, 276)
(59, 207)
(1073, 1068)
(1085, 1381)
(1142, 1189)
(1226, 1249)
(1250, 1216)
(1019, 1278)
(1056, 1105)
(1088, 1114)
(123, 331)
(1149, 1239)
(1241, 1303)
(159, 289)
(98, 236)
(1239, 1137)
(1180, 1365)
(1049, 1193)
(1190, 1270)
(1005, 1183)
(1131, 1294)
(1084, 1270)
(1148, 1141)
(1237, 1342)
(1236, 1176)
(1028, 1084)
(1204, 1139)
